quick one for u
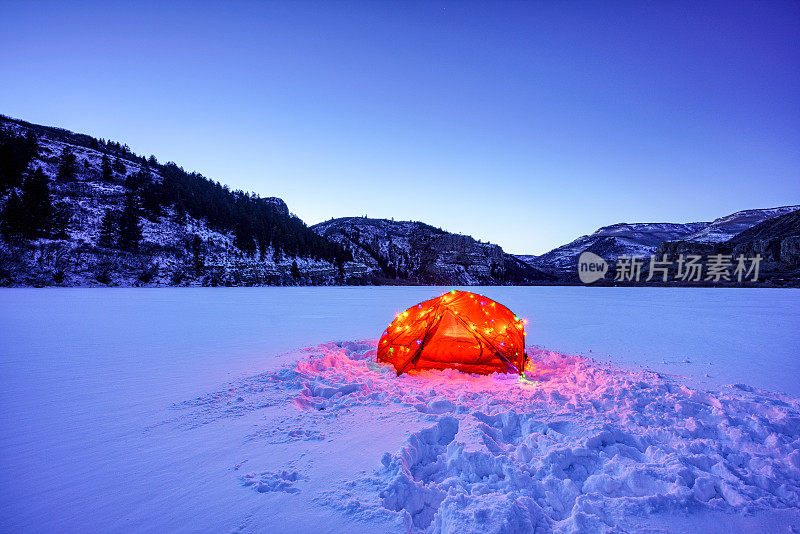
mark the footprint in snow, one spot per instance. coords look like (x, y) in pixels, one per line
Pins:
(270, 481)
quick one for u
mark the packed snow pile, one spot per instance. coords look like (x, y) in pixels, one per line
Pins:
(573, 446)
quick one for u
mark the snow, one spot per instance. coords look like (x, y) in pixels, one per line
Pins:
(164, 258)
(238, 410)
(725, 228)
(576, 444)
(630, 239)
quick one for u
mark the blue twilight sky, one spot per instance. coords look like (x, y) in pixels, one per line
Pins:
(526, 124)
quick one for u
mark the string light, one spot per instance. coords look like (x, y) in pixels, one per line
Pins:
(495, 341)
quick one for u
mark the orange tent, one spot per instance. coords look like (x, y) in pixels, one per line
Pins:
(459, 330)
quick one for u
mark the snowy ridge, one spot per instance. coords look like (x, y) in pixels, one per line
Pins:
(727, 227)
(782, 226)
(420, 253)
(576, 446)
(644, 239)
(610, 242)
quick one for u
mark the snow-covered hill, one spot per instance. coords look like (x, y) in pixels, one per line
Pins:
(775, 240)
(725, 228)
(644, 239)
(417, 252)
(175, 248)
(782, 226)
(612, 241)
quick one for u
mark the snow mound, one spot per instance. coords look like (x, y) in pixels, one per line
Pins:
(574, 446)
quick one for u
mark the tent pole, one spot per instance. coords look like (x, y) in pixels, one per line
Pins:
(480, 336)
(428, 335)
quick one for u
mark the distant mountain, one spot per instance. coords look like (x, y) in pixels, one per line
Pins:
(786, 225)
(416, 252)
(776, 240)
(645, 239)
(609, 242)
(725, 228)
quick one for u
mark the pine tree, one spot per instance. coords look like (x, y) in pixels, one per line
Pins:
(62, 221)
(151, 201)
(130, 229)
(37, 205)
(13, 223)
(29, 214)
(16, 153)
(198, 262)
(118, 166)
(67, 165)
(109, 230)
(138, 180)
(295, 270)
(180, 214)
(106, 172)
(243, 237)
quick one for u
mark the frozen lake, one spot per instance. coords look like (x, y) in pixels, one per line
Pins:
(86, 373)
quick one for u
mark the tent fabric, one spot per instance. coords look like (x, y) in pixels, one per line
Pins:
(459, 330)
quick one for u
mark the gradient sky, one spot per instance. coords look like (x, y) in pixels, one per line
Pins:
(523, 124)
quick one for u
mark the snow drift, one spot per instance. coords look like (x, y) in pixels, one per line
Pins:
(574, 446)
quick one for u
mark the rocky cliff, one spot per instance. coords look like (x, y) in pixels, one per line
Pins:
(776, 240)
(419, 253)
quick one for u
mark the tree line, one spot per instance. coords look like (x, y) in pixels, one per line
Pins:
(30, 212)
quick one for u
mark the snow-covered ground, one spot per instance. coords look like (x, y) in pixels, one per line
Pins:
(231, 410)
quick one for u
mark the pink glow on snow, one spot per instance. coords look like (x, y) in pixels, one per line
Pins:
(548, 376)
(574, 445)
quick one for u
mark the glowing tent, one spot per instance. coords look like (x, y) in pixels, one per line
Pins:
(459, 330)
